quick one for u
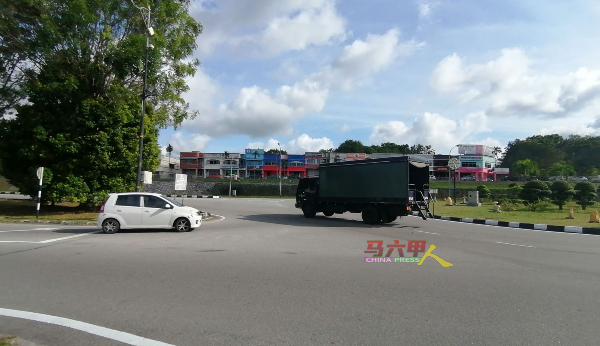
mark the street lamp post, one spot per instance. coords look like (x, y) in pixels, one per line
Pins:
(149, 32)
(280, 194)
(453, 172)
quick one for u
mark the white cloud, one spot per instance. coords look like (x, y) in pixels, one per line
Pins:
(426, 8)
(305, 143)
(268, 27)
(431, 129)
(181, 142)
(345, 128)
(258, 113)
(508, 86)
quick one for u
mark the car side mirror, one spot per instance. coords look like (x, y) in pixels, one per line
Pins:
(167, 206)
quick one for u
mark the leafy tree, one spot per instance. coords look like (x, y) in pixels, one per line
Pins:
(525, 167)
(496, 152)
(82, 67)
(534, 192)
(585, 194)
(484, 192)
(169, 150)
(561, 169)
(562, 192)
(276, 152)
(351, 146)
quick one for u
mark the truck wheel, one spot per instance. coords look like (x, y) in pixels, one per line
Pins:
(391, 219)
(370, 215)
(309, 210)
(328, 213)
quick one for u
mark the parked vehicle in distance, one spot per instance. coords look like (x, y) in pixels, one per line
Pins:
(579, 179)
(468, 178)
(218, 176)
(432, 177)
(380, 189)
(556, 178)
(595, 180)
(141, 210)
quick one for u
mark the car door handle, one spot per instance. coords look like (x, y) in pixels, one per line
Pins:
(118, 210)
(147, 211)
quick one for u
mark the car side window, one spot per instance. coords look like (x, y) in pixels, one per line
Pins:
(128, 201)
(154, 202)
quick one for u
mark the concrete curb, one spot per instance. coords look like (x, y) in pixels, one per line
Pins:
(540, 227)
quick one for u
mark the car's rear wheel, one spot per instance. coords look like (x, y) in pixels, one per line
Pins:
(110, 226)
(183, 225)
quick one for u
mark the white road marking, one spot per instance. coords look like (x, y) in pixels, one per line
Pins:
(49, 240)
(499, 242)
(112, 334)
(63, 238)
(427, 232)
(30, 230)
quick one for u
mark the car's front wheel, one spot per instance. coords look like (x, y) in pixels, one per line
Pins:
(110, 226)
(183, 225)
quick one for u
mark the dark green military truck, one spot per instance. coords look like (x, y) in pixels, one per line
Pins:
(381, 189)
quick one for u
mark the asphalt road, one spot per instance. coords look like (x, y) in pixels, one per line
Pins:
(265, 275)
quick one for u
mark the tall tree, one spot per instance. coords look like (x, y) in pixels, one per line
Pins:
(351, 146)
(276, 152)
(525, 167)
(496, 152)
(83, 67)
(561, 169)
(169, 150)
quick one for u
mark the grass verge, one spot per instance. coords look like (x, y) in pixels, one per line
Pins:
(551, 216)
(14, 210)
(7, 340)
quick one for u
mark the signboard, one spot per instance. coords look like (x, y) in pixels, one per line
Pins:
(356, 156)
(313, 154)
(147, 177)
(255, 154)
(464, 158)
(453, 163)
(40, 173)
(180, 182)
(502, 170)
(230, 167)
(469, 149)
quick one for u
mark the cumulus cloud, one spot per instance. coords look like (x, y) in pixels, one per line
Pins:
(426, 8)
(268, 27)
(181, 142)
(509, 86)
(299, 145)
(258, 113)
(431, 129)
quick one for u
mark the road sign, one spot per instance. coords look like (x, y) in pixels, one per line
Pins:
(147, 177)
(453, 163)
(180, 182)
(40, 173)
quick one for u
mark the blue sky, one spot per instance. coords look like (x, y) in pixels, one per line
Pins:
(310, 74)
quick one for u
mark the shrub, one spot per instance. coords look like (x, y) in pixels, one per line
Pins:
(585, 194)
(540, 206)
(511, 185)
(562, 192)
(484, 192)
(534, 192)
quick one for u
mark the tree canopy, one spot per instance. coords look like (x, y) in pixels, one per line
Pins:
(77, 79)
(355, 146)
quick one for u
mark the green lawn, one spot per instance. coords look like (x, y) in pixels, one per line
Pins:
(7, 340)
(552, 216)
(14, 210)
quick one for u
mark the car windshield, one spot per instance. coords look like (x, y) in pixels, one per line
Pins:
(172, 201)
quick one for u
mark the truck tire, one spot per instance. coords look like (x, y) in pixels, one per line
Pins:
(309, 210)
(328, 213)
(391, 219)
(370, 215)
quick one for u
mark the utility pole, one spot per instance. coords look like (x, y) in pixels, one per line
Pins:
(280, 194)
(149, 32)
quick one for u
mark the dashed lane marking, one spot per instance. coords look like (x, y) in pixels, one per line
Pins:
(499, 242)
(49, 240)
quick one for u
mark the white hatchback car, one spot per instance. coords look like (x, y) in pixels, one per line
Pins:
(146, 210)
